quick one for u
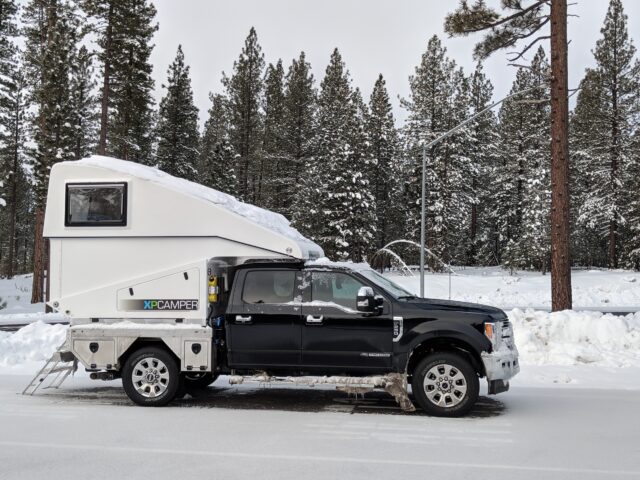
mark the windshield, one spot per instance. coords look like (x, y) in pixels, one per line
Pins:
(383, 282)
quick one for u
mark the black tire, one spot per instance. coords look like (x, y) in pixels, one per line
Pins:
(155, 362)
(453, 385)
(198, 380)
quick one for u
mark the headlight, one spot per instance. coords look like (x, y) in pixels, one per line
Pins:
(493, 330)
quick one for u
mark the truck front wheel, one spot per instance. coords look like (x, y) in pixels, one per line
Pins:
(445, 385)
(150, 377)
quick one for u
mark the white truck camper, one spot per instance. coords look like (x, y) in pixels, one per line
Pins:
(131, 256)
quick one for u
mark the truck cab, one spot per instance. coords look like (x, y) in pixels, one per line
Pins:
(324, 318)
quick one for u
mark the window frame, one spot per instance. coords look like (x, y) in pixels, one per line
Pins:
(119, 223)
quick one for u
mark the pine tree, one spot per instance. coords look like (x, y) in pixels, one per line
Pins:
(633, 247)
(609, 147)
(131, 120)
(438, 102)
(522, 204)
(272, 180)
(299, 105)
(178, 124)
(51, 33)
(10, 168)
(589, 243)
(484, 155)
(15, 178)
(244, 89)
(459, 167)
(125, 30)
(217, 156)
(84, 104)
(8, 30)
(385, 174)
(335, 205)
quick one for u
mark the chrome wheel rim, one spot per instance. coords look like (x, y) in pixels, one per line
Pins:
(150, 377)
(445, 385)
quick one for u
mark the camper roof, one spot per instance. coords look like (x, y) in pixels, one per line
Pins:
(162, 205)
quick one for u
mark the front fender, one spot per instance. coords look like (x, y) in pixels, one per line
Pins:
(457, 333)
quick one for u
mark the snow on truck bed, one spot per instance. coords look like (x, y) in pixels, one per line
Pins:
(265, 218)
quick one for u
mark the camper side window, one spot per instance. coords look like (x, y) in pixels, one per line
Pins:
(96, 204)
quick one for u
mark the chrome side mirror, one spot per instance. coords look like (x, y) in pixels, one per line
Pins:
(366, 301)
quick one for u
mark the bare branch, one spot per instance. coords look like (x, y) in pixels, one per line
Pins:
(518, 56)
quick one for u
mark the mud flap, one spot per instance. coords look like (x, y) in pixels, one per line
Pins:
(396, 386)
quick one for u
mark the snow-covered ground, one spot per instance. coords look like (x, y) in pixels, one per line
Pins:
(593, 289)
(90, 430)
(579, 422)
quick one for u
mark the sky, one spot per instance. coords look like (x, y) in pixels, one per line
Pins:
(373, 36)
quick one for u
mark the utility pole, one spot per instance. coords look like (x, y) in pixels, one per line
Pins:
(423, 218)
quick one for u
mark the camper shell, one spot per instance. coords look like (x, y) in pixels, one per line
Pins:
(130, 248)
(122, 233)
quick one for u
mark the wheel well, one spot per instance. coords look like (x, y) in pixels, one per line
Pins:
(445, 345)
(146, 342)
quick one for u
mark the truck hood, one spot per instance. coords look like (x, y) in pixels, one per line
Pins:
(466, 307)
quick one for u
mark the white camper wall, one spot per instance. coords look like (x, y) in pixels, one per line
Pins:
(88, 272)
(171, 223)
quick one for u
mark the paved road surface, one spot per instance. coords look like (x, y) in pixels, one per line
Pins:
(90, 430)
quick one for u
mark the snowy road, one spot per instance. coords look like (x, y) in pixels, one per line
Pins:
(89, 430)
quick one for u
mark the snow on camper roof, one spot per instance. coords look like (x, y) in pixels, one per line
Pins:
(265, 218)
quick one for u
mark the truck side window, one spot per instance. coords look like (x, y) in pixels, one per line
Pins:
(335, 287)
(269, 286)
(97, 204)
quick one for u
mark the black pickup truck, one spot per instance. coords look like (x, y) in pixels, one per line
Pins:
(349, 323)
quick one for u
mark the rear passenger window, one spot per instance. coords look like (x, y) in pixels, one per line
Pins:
(269, 286)
(97, 204)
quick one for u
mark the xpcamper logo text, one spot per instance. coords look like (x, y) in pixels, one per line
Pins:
(158, 304)
(170, 304)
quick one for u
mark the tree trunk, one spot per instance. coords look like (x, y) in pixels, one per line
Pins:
(104, 115)
(560, 246)
(37, 292)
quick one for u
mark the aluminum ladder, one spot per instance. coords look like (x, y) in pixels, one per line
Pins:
(61, 364)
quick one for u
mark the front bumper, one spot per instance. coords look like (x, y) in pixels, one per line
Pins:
(501, 365)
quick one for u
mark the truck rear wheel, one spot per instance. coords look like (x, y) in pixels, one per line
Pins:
(150, 377)
(445, 385)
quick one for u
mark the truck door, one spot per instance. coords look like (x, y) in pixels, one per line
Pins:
(335, 335)
(263, 320)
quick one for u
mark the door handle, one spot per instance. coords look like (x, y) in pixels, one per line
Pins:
(242, 319)
(314, 320)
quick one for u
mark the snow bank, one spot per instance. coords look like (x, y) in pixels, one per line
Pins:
(15, 297)
(597, 289)
(265, 218)
(26, 350)
(577, 338)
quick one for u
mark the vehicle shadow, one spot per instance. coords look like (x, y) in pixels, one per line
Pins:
(316, 400)
(275, 398)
